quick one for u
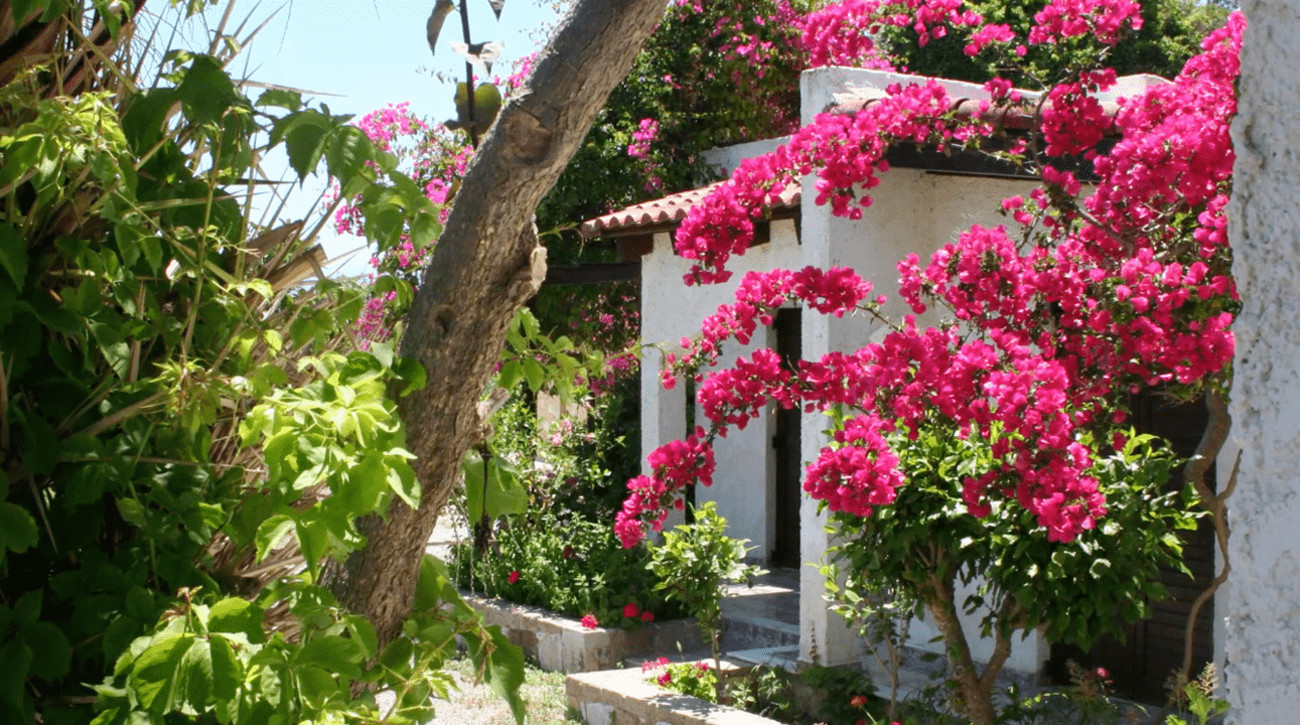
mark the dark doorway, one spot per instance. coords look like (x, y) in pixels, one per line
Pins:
(785, 445)
(1153, 648)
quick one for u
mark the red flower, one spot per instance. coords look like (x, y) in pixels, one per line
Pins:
(647, 616)
(514, 576)
(589, 621)
(631, 610)
(567, 552)
(653, 664)
(858, 700)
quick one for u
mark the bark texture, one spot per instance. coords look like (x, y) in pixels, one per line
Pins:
(486, 265)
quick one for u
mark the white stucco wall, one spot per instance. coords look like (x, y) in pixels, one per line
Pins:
(724, 159)
(1262, 610)
(670, 311)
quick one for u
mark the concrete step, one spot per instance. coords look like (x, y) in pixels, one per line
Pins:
(785, 657)
(757, 632)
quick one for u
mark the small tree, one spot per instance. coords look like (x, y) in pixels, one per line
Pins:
(694, 563)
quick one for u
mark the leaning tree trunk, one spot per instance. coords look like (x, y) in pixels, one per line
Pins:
(486, 265)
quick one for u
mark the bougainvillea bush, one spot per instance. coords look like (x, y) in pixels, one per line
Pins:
(1052, 319)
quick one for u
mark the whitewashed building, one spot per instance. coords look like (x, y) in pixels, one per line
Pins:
(922, 203)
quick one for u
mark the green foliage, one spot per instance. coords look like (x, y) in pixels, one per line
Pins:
(173, 408)
(765, 691)
(843, 694)
(694, 564)
(696, 679)
(217, 660)
(553, 487)
(1198, 698)
(574, 567)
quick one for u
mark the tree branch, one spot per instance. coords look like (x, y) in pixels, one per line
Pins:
(486, 264)
(1207, 451)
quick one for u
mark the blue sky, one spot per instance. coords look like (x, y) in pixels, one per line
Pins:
(373, 52)
(368, 53)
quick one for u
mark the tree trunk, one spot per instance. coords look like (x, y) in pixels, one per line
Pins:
(486, 265)
(972, 690)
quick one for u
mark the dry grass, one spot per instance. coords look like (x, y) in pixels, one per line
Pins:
(543, 693)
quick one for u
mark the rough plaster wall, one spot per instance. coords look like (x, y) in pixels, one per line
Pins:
(1262, 674)
(671, 311)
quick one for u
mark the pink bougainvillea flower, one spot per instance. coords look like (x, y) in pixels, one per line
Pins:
(589, 621)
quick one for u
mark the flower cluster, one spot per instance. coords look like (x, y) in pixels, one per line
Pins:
(1103, 20)
(646, 132)
(846, 152)
(842, 33)
(1053, 324)
(632, 610)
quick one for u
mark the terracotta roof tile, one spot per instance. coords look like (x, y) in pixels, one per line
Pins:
(665, 212)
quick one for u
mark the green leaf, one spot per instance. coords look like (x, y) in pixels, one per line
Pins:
(505, 671)
(534, 373)
(281, 98)
(22, 9)
(227, 670)
(315, 684)
(365, 483)
(51, 652)
(17, 659)
(401, 479)
(206, 91)
(511, 373)
(17, 528)
(197, 675)
(499, 494)
(271, 532)
(13, 254)
(304, 135)
(132, 512)
(349, 150)
(155, 673)
(313, 537)
(397, 655)
(235, 615)
(412, 373)
(145, 117)
(332, 653)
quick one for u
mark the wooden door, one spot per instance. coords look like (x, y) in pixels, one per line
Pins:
(785, 445)
(1152, 649)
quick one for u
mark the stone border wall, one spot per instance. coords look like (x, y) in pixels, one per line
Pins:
(624, 697)
(562, 644)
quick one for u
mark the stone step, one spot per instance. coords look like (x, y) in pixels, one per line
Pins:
(757, 632)
(785, 657)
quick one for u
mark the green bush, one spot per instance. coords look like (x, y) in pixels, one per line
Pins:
(573, 567)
